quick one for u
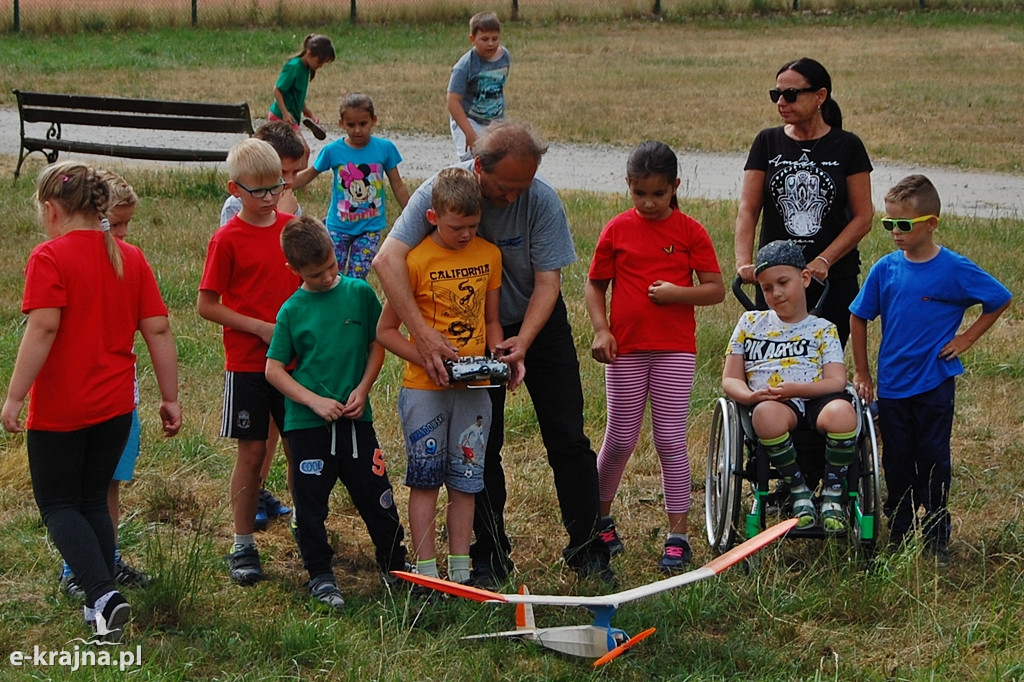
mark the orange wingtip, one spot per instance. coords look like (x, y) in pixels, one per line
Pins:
(759, 541)
(628, 644)
(474, 593)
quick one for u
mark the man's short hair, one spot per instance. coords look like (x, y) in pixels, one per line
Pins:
(456, 190)
(918, 191)
(305, 241)
(484, 21)
(254, 158)
(504, 138)
(283, 138)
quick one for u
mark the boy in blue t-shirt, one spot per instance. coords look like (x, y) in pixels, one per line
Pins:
(921, 292)
(328, 327)
(476, 89)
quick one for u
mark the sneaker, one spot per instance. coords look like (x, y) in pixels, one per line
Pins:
(317, 129)
(244, 566)
(676, 557)
(833, 516)
(610, 537)
(262, 519)
(803, 508)
(127, 576)
(390, 580)
(111, 620)
(598, 570)
(273, 506)
(939, 551)
(69, 584)
(325, 590)
(485, 578)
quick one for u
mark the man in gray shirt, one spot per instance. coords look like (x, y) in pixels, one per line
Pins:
(523, 216)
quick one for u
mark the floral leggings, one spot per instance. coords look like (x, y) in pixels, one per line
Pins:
(355, 252)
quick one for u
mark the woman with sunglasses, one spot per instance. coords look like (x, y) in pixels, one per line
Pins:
(809, 181)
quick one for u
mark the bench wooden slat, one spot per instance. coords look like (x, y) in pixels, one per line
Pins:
(148, 122)
(128, 104)
(126, 151)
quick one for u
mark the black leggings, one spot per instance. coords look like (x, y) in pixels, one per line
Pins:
(71, 473)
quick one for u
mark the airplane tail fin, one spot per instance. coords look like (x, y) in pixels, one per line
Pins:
(524, 613)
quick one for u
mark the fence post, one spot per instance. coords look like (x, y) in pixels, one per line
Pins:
(656, 10)
(195, 12)
(515, 10)
(17, 16)
(352, 14)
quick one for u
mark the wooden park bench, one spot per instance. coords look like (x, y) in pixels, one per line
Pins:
(60, 110)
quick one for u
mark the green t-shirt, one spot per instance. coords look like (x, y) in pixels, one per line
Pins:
(328, 334)
(293, 84)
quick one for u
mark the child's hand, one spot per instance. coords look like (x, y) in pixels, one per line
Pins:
(761, 395)
(784, 390)
(662, 292)
(170, 417)
(604, 348)
(864, 385)
(9, 415)
(956, 346)
(355, 405)
(328, 409)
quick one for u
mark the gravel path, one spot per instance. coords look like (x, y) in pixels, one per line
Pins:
(599, 168)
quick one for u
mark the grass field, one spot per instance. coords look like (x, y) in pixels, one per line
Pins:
(804, 611)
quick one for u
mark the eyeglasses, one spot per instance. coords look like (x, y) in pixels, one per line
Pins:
(904, 224)
(789, 94)
(261, 192)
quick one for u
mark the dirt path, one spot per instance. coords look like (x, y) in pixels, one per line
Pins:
(601, 169)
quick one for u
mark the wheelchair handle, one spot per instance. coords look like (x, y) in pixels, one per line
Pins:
(748, 304)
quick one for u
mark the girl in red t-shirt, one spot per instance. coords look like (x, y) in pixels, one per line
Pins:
(86, 294)
(648, 342)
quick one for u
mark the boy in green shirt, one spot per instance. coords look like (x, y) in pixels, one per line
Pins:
(328, 327)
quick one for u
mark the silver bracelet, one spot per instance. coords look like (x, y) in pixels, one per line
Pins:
(827, 264)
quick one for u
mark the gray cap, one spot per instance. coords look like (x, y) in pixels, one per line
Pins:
(779, 252)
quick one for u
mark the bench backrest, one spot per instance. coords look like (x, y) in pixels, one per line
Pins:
(125, 112)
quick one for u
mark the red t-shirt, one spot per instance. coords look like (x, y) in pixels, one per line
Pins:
(89, 374)
(634, 252)
(246, 268)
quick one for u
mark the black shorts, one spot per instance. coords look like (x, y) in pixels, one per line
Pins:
(807, 418)
(250, 401)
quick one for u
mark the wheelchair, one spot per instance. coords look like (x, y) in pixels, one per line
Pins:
(738, 501)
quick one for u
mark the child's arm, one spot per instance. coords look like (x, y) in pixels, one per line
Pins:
(398, 187)
(862, 380)
(304, 177)
(40, 332)
(210, 308)
(390, 336)
(458, 115)
(734, 382)
(709, 291)
(164, 355)
(833, 380)
(961, 342)
(495, 335)
(355, 405)
(604, 347)
(286, 115)
(325, 408)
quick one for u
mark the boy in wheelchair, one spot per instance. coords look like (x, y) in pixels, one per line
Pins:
(787, 366)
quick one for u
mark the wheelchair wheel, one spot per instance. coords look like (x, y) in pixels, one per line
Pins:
(868, 520)
(724, 477)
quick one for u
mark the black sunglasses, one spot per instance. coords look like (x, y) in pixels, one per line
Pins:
(789, 94)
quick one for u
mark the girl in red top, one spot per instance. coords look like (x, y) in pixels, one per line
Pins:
(86, 294)
(651, 253)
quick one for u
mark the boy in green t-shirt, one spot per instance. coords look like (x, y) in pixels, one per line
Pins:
(328, 327)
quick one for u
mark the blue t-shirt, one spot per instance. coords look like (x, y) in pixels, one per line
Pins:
(481, 84)
(922, 306)
(358, 194)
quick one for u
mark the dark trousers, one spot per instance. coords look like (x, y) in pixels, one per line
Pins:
(917, 461)
(71, 473)
(359, 465)
(553, 380)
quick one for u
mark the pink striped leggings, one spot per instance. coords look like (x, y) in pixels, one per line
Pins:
(666, 377)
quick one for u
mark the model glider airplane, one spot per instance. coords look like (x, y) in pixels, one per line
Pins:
(599, 640)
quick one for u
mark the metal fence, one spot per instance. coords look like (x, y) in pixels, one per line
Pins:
(56, 16)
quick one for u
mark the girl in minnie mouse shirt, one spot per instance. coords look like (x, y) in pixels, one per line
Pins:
(356, 217)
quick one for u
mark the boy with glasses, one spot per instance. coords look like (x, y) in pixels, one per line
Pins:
(245, 281)
(921, 292)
